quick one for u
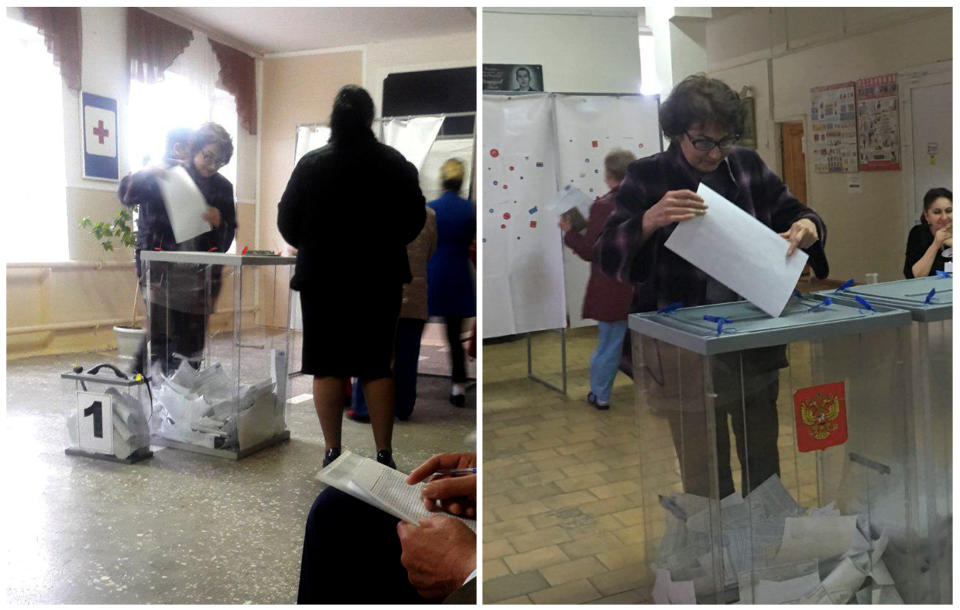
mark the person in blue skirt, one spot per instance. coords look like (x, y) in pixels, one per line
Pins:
(450, 281)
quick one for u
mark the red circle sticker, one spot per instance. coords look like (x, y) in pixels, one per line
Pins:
(503, 226)
(506, 215)
(504, 186)
(511, 168)
(494, 153)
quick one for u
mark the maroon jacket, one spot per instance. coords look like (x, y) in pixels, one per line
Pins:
(606, 300)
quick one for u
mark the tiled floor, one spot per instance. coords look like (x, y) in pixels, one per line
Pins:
(567, 518)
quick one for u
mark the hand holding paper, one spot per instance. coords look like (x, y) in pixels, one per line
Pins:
(741, 252)
(184, 203)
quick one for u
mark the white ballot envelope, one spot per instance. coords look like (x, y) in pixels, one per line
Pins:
(740, 252)
(184, 203)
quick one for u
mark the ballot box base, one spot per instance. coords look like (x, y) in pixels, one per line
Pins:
(137, 456)
(224, 453)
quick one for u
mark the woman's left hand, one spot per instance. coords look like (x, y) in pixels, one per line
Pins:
(802, 234)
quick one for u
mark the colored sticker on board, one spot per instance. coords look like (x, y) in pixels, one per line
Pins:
(511, 168)
(595, 144)
(495, 183)
(503, 226)
(491, 210)
(506, 215)
(504, 187)
(533, 224)
(539, 163)
(533, 210)
(494, 153)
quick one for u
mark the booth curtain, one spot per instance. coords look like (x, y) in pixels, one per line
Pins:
(153, 44)
(238, 76)
(61, 31)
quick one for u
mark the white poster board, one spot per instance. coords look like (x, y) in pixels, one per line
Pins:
(413, 137)
(522, 256)
(588, 128)
(443, 149)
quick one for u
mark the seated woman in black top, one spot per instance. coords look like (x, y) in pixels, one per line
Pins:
(932, 237)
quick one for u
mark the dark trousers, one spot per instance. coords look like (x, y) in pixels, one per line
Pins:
(458, 356)
(406, 361)
(351, 555)
(753, 415)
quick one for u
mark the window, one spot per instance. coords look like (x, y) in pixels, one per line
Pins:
(174, 102)
(36, 210)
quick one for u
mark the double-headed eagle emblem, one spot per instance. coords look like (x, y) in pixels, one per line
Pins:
(819, 413)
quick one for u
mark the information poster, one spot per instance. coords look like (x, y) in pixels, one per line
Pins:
(834, 124)
(878, 123)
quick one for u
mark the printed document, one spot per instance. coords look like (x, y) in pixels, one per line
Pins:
(380, 486)
(184, 203)
(740, 252)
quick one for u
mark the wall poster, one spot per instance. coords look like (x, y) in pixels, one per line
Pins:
(878, 123)
(834, 124)
(513, 77)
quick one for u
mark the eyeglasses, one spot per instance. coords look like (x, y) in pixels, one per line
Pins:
(706, 144)
(212, 160)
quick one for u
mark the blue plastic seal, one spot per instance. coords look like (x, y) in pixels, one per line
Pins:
(845, 285)
(671, 307)
(944, 274)
(864, 304)
(719, 321)
(929, 297)
(827, 301)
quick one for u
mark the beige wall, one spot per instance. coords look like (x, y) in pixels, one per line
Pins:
(797, 49)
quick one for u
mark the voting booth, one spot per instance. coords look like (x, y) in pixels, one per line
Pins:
(930, 303)
(776, 461)
(219, 350)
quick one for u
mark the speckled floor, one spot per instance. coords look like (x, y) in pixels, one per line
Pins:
(180, 527)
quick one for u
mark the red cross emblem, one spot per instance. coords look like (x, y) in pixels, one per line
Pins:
(100, 132)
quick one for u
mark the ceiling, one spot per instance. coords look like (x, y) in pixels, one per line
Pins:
(285, 30)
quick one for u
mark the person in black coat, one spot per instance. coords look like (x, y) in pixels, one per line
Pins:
(350, 209)
(930, 243)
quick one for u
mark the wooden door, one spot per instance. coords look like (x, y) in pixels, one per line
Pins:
(793, 161)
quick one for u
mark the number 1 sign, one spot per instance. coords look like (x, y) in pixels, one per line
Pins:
(95, 422)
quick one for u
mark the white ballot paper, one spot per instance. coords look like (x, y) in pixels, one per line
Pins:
(184, 203)
(740, 252)
(379, 486)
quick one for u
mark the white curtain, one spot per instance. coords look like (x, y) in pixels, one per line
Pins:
(412, 137)
(443, 149)
(310, 138)
(198, 64)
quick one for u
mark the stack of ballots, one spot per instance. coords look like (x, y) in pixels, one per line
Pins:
(774, 551)
(201, 407)
(130, 431)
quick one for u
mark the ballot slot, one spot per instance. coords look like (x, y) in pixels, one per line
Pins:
(218, 353)
(776, 467)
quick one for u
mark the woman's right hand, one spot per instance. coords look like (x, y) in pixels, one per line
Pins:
(674, 206)
(941, 236)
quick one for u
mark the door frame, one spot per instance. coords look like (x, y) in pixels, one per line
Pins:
(940, 73)
(778, 142)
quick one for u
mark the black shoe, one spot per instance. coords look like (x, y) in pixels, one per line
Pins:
(330, 455)
(385, 457)
(458, 400)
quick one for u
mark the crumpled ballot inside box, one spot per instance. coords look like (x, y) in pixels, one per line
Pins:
(774, 551)
(201, 407)
(130, 430)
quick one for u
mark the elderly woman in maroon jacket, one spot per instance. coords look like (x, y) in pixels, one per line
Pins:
(607, 301)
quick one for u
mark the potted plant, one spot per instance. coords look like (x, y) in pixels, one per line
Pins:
(120, 229)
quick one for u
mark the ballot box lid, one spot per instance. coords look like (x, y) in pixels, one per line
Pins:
(215, 258)
(908, 294)
(806, 317)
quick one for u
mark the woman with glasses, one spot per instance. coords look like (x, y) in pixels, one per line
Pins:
(704, 118)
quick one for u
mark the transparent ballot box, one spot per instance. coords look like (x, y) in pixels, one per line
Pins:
(775, 462)
(930, 303)
(218, 352)
(108, 418)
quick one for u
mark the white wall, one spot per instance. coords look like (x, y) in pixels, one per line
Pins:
(579, 53)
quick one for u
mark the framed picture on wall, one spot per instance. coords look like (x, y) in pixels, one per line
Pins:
(516, 78)
(749, 137)
(98, 116)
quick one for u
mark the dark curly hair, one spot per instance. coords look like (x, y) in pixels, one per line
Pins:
(931, 196)
(698, 99)
(212, 133)
(352, 112)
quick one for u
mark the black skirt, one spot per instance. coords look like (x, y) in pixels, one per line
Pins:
(350, 333)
